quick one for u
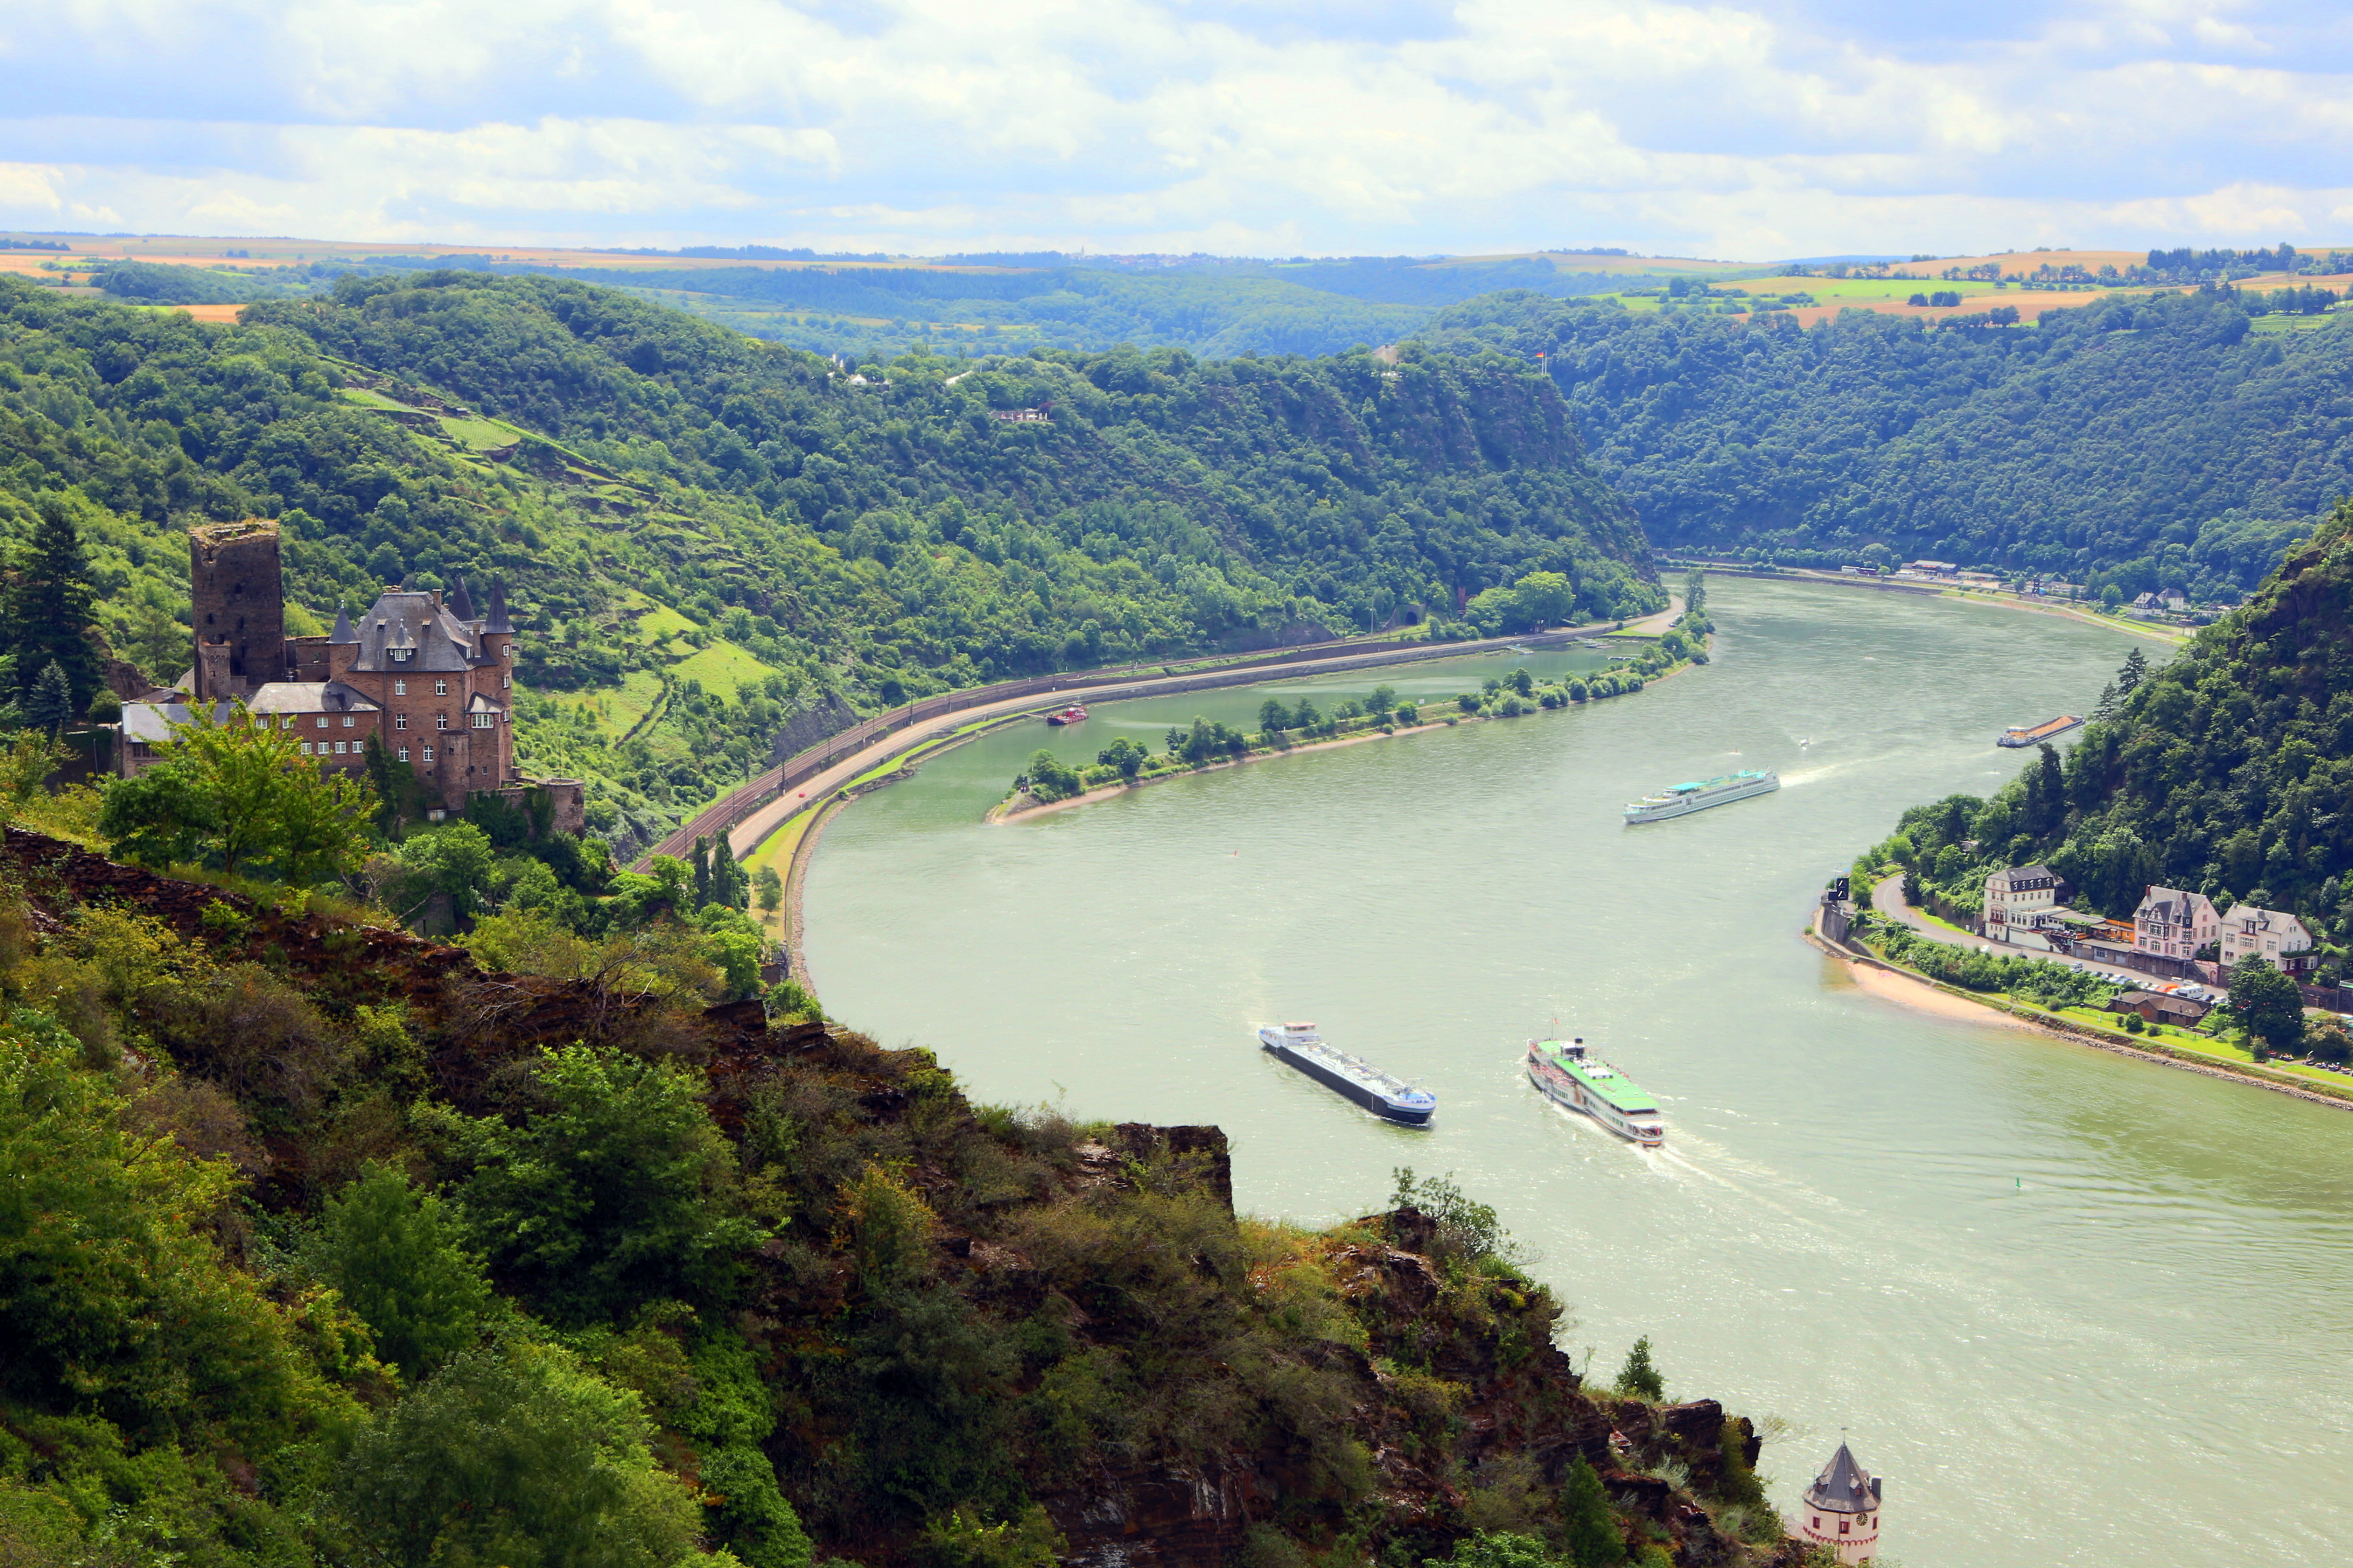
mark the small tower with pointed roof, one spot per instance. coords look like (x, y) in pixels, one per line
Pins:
(1840, 1509)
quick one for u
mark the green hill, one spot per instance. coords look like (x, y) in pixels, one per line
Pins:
(2156, 443)
(719, 545)
(2227, 771)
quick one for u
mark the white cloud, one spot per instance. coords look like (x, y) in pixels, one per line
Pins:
(1738, 128)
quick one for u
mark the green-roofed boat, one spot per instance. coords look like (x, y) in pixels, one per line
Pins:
(1571, 1076)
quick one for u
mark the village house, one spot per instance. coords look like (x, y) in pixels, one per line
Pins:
(2014, 901)
(2158, 1007)
(2169, 923)
(429, 677)
(2281, 940)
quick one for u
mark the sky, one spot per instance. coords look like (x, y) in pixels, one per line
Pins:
(1776, 128)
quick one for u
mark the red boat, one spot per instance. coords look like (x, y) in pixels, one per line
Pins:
(1069, 715)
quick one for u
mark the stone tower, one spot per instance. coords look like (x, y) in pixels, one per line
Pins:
(238, 596)
(1840, 1509)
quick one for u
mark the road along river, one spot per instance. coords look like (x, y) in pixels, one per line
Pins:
(2078, 1308)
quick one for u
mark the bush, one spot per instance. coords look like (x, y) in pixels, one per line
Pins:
(1639, 1378)
(393, 1253)
(617, 1190)
(515, 1455)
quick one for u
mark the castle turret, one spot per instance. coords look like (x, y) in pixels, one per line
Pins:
(1840, 1509)
(461, 603)
(499, 635)
(342, 645)
(236, 594)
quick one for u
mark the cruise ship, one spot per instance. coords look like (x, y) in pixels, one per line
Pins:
(1682, 799)
(1367, 1085)
(1569, 1076)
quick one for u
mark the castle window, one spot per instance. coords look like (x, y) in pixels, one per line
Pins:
(404, 754)
(428, 753)
(400, 688)
(440, 689)
(322, 720)
(349, 720)
(481, 720)
(400, 721)
(400, 654)
(306, 748)
(505, 681)
(339, 748)
(440, 721)
(1845, 1526)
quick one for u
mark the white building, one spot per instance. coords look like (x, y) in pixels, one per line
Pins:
(2277, 939)
(1840, 1509)
(2015, 898)
(2170, 923)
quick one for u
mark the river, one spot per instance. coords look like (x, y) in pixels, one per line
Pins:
(2077, 1308)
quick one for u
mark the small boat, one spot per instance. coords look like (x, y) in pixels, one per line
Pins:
(1682, 799)
(1384, 1095)
(1572, 1078)
(1069, 715)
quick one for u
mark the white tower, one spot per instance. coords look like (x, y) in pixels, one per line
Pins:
(1840, 1509)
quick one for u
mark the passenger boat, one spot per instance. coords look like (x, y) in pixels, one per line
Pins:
(1069, 715)
(1682, 799)
(1381, 1093)
(1569, 1076)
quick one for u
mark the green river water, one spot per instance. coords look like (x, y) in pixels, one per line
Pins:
(2075, 1308)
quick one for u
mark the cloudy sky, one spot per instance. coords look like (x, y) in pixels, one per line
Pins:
(1770, 128)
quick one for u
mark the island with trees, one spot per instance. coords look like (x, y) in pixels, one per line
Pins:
(1050, 782)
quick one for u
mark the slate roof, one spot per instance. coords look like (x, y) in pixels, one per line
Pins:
(2022, 876)
(498, 621)
(402, 619)
(342, 632)
(1843, 1487)
(309, 697)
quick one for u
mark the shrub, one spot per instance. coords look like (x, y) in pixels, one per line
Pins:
(519, 1456)
(1639, 1378)
(393, 1253)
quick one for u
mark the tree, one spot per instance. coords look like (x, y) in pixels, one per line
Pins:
(702, 864)
(394, 1255)
(730, 884)
(1273, 717)
(515, 1455)
(2268, 1005)
(2051, 786)
(50, 707)
(2134, 671)
(50, 605)
(769, 889)
(2111, 596)
(616, 1190)
(238, 791)
(1126, 755)
(1588, 1528)
(455, 860)
(1639, 1378)
(1544, 598)
(1496, 1549)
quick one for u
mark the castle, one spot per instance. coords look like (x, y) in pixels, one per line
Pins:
(1841, 1509)
(426, 676)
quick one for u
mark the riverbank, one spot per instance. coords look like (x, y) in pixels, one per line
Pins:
(2171, 636)
(1259, 747)
(1908, 988)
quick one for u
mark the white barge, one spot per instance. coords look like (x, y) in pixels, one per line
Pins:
(1682, 799)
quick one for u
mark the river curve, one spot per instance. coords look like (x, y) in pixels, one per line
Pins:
(2078, 1308)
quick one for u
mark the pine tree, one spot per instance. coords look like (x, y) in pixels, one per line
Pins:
(1639, 1378)
(1588, 1528)
(701, 863)
(51, 706)
(2108, 700)
(2134, 671)
(50, 607)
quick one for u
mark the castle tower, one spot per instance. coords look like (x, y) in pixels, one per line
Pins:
(1840, 1509)
(236, 594)
(342, 645)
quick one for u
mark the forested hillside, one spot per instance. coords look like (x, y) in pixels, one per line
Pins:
(2228, 771)
(2147, 444)
(322, 1245)
(707, 538)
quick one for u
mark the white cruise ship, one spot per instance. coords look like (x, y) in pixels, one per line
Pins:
(1682, 799)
